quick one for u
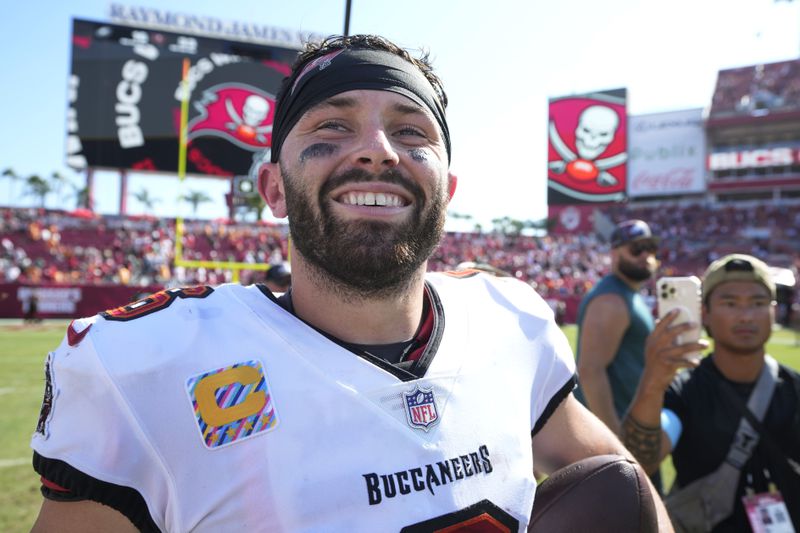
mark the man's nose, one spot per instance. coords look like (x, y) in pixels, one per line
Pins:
(747, 312)
(375, 151)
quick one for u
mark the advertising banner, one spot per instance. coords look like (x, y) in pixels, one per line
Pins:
(569, 219)
(125, 95)
(61, 301)
(666, 153)
(587, 143)
(774, 156)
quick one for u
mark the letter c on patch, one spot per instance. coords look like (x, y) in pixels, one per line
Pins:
(205, 394)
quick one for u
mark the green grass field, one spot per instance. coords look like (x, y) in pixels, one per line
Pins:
(22, 351)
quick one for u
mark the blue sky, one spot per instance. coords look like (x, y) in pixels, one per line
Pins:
(500, 62)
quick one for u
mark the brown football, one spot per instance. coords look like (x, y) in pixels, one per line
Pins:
(606, 493)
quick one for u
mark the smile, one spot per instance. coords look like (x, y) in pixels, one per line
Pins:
(372, 199)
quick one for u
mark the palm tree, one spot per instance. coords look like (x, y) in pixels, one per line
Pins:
(12, 177)
(255, 204)
(82, 197)
(459, 216)
(36, 186)
(195, 198)
(507, 225)
(58, 182)
(143, 196)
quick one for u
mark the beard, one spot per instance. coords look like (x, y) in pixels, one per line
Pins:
(633, 271)
(367, 258)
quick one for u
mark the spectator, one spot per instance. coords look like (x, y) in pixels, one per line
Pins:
(279, 278)
(613, 324)
(32, 309)
(726, 460)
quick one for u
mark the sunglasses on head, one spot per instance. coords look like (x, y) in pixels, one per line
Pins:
(636, 248)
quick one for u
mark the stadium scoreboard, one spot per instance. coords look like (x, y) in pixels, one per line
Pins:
(125, 93)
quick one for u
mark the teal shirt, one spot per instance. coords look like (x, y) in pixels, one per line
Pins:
(628, 363)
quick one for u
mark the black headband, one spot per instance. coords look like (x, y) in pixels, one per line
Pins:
(350, 69)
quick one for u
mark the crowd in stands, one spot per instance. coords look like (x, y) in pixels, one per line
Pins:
(694, 234)
(38, 246)
(556, 265)
(52, 247)
(773, 86)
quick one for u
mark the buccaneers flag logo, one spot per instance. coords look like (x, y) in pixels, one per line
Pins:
(586, 152)
(236, 112)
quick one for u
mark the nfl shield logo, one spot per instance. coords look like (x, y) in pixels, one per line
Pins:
(420, 408)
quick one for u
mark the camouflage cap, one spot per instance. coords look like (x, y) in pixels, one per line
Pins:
(737, 267)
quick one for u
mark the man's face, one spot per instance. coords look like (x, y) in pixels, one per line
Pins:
(739, 316)
(637, 259)
(366, 188)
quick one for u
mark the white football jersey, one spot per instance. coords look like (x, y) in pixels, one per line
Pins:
(228, 413)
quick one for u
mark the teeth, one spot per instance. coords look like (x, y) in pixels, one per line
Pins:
(370, 198)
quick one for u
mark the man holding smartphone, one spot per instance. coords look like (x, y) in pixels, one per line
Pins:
(697, 415)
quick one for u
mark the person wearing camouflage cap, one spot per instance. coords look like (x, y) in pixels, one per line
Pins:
(737, 267)
(694, 415)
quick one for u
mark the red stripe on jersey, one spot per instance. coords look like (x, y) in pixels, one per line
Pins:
(424, 334)
(52, 486)
(73, 337)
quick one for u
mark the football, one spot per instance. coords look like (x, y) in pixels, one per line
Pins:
(606, 493)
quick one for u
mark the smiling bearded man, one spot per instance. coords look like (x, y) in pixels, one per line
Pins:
(367, 257)
(370, 396)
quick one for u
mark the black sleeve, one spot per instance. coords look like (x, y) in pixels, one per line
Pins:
(80, 486)
(554, 402)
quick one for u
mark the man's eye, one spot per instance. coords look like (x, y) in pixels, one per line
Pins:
(332, 125)
(409, 130)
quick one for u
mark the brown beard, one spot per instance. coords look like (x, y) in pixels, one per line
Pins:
(632, 271)
(366, 257)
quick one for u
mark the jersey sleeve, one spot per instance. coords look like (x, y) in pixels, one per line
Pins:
(87, 444)
(549, 358)
(555, 376)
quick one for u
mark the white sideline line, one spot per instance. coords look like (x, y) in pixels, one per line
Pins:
(7, 463)
(786, 342)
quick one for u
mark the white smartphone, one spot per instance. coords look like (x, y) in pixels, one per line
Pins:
(683, 293)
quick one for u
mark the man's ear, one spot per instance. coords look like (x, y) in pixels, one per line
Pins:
(452, 182)
(270, 187)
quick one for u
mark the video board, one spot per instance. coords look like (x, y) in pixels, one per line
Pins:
(125, 96)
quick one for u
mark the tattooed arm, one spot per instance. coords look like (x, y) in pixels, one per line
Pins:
(642, 435)
(641, 426)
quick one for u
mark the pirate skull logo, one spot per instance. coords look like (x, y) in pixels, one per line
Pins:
(597, 127)
(237, 112)
(254, 111)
